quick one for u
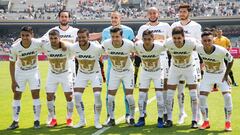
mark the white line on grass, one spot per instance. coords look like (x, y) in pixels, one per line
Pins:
(99, 132)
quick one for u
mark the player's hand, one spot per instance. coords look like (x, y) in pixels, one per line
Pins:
(14, 86)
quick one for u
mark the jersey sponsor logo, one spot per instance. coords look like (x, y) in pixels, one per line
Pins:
(28, 53)
(186, 32)
(56, 55)
(117, 53)
(156, 31)
(180, 52)
(65, 36)
(208, 59)
(85, 56)
(149, 56)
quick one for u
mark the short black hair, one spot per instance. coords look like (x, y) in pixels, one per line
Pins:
(83, 30)
(116, 29)
(147, 32)
(64, 10)
(54, 33)
(185, 5)
(206, 33)
(178, 30)
(27, 29)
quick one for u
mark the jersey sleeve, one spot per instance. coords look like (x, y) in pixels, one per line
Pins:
(140, 32)
(12, 55)
(131, 34)
(169, 31)
(228, 57)
(198, 32)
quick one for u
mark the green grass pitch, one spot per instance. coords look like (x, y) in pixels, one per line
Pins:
(215, 100)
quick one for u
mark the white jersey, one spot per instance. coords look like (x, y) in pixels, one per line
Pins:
(120, 57)
(150, 59)
(25, 58)
(69, 35)
(88, 59)
(181, 57)
(58, 59)
(161, 31)
(214, 62)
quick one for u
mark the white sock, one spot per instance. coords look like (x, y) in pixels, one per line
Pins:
(165, 101)
(170, 96)
(194, 104)
(70, 106)
(160, 103)
(204, 107)
(97, 105)
(111, 106)
(228, 106)
(51, 109)
(79, 105)
(141, 99)
(16, 105)
(131, 103)
(181, 98)
(36, 109)
(145, 104)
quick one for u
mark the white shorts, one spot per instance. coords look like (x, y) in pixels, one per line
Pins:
(164, 63)
(83, 78)
(32, 77)
(65, 79)
(176, 74)
(115, 78)
(146, 77)
(209, 80)
(72, 68)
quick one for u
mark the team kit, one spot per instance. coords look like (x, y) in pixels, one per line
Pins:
(166, 55)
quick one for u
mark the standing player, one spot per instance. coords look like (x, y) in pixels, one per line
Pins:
(58, 73)
(191, 29)
(24, 69)
(119, 51)
(128, 34)
(161, 32)
(216, 72)
(88, 54)
(149, 52)
(181, 49)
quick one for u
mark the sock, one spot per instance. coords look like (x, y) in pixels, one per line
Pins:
(111, 106)
(131, 103)
(36, 109)
(141, 99)
(145, 104)
(51, 109)
(204, 107)
(181, 98)
(165, 101)
(70, 106)
(16, 105)
(97, 105)
(231, 76)
(170, 96)
(194, 104)
(160, 103)
(79, 105)
(228, 106)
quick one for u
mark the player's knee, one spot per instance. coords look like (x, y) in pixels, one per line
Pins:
(35, 94)
(17, 95)
(50, 97)
(97, 96)
(204, 93)
(129, 92)
(194, 95)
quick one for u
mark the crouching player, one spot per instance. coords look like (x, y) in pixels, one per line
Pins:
(88, 54)
(24, 69)
(213, 57)
(150, 52)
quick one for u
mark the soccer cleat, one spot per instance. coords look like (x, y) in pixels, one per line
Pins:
(228, 126)
(235, 84)
(36, 124)
(69, 122)
(127, 118)
(107, 120)
(110, 123)
(182, 118)
(160, 123)
(131, 122)
(53, 123)
(205, 125)
(13, 126)
(81, 123)
(97, 125)
(168, 124)
(49, 119)
(194, 124)
(165, 117)
(141, 122)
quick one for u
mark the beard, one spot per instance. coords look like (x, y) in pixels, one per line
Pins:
(64, 23)
(184, 17)
(153, 21)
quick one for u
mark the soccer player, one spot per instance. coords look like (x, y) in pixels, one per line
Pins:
(58, 73)
(191, 29)
(24, 69)
(128, 34)
(88, 54)
(181, 49)
(149, 52)
(226, 43)
(215, 72)
(161, 32)
(119, 51)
